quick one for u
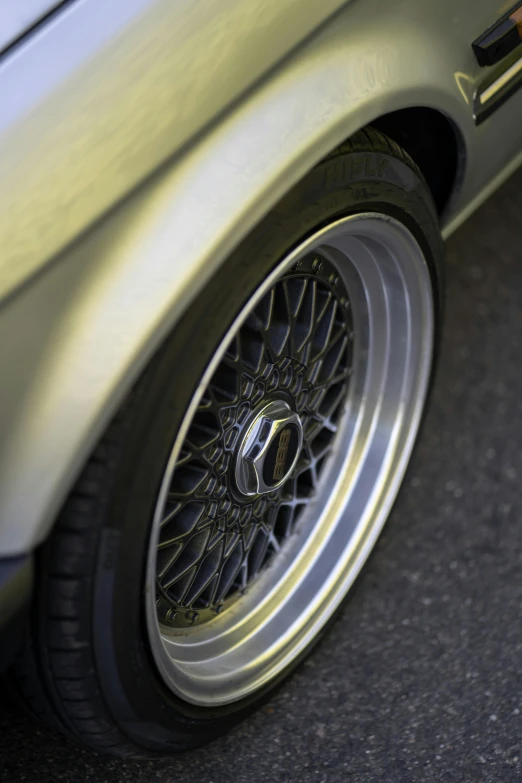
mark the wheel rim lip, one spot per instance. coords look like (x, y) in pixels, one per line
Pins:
(233, 656)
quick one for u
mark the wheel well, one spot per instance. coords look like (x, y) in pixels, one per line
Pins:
(433, 142)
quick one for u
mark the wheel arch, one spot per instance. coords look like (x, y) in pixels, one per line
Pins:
(87, 325)
(436, 145)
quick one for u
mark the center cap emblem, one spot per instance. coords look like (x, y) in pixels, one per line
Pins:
(269, 450)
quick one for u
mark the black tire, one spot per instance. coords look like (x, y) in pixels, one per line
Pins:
(87, 668)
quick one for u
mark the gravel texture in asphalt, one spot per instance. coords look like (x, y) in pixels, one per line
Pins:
(420, 679)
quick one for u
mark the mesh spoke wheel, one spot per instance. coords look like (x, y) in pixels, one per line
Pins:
(340, 335)
(295, 345)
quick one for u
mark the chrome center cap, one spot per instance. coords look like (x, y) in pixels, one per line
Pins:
(269, 449)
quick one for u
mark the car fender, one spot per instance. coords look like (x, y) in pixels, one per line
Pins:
(75, 337)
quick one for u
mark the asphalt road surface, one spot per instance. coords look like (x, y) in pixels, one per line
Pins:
(420, 679)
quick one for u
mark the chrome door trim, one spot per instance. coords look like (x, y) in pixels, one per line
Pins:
(499, 86)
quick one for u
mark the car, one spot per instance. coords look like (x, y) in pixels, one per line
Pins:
(221, 293)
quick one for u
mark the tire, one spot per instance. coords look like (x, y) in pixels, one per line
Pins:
(97, 664)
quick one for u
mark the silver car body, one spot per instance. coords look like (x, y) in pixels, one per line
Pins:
(140, 140)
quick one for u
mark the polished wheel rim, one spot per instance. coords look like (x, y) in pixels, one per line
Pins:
(288, 459)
